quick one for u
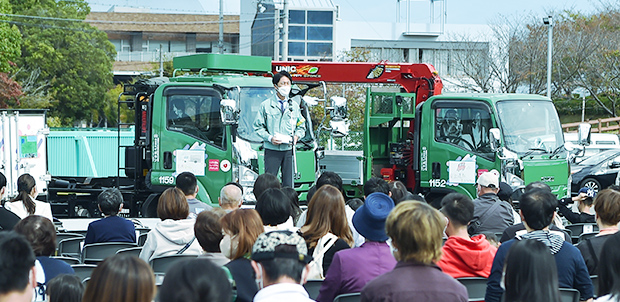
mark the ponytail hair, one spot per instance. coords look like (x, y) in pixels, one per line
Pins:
(25, 183)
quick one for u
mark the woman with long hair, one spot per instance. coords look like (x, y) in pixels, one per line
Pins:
(326, 227)
(121, 278)
(25, 202)
(241, 228)
(531, 274)
(174, 234)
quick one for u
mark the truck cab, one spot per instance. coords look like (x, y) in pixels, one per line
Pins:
(451, 139)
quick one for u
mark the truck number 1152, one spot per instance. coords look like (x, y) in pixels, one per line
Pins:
(437, 183)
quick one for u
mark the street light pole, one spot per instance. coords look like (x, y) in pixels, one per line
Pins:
(549, 22)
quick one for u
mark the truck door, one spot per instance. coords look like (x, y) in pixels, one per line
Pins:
(190, 137)
(455, 145)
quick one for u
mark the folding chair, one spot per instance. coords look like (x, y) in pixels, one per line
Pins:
(96, 252)
(569, 295)
(133, 251)
(163, 263)
(476, 287)
(313, 287)
(70, 247)
(353, 297)
(142, 239)
(62, 236)
(83, 271)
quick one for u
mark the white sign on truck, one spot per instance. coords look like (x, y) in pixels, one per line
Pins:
(23, 147)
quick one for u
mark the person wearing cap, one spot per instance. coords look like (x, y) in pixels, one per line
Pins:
(584, 200)
(463, 256)
(351, 269)
(491, 214)
(280, 260)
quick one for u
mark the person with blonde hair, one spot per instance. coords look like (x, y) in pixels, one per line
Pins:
(607, 209)
(241, 229)
(121, 278)
(416, 231)
(326, 230)
(174, 234)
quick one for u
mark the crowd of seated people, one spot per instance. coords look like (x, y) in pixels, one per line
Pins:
(389, 246)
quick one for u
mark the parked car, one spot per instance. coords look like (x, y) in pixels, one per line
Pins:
(597, 171)
(598, 142)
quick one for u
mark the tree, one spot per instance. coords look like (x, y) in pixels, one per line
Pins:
(70, 58)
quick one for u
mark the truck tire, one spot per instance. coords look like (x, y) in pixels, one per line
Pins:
(149, 207)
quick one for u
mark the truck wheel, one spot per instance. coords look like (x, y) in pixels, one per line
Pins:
(149, 207)
(591, 183)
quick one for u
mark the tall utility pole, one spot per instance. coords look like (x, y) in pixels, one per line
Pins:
(161, 61)
(220, 41)
(284, 31)
(549, 22)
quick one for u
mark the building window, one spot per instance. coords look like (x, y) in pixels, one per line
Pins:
(319, 49)
(320, 33)
(296, 48)
(320, 17)
(296, 17)
(296, 33)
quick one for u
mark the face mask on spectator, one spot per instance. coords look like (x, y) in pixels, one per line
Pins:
(229, 245)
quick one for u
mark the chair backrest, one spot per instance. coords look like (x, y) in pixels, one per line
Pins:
(313, 287)
(61, 236)
(595, 284)
(352, 297)
(70, 247)
(85, 281)
(569, 295)
(143, 230)
(476, 287)
(142, 239)
(580, 228)
(96, 252)
(133, 251)
(68, 260)
(163, 263)
(83, 271)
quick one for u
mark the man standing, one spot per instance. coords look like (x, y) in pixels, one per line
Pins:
(537, 212)
(280, 260)
(188, 183)
(280, 124)
(230, 198)
(491, 214)
(8, 219)
(17, 268)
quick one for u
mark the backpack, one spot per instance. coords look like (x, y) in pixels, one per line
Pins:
(316, 265)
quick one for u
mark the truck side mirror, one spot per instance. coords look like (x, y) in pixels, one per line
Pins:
(339, 128)
(228, 112)
(494, 138)
(583, 133)
(339, 108)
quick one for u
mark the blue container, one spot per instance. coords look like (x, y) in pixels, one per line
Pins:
(86, 153)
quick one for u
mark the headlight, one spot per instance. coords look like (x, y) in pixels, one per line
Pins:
(247, 177)
(514, 181)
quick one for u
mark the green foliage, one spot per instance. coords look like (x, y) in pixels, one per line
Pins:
(11, 39)
(71, 59)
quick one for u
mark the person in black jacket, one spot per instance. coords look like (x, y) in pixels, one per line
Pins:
(8, 219)
(585, 198)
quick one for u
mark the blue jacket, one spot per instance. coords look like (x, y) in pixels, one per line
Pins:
(110, 229)
(572, 272)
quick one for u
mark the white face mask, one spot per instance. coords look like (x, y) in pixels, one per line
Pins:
(229, 245)
(284, 90)
(259, 281)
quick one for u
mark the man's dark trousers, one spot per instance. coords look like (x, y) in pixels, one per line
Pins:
(276, 159)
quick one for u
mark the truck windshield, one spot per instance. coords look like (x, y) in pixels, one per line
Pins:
(250, 100)
(530, 126)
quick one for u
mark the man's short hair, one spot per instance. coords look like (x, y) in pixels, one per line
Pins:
(537, 208)
(458, 208)
(329, 178)
(16, 262)
(376, 184)
(537, 185)
(2, 180)
(208, 231)
(110, 201)
(274, 207)
(279, 75)
(187, 182)
(231, 194)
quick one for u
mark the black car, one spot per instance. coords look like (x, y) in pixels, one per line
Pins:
(597, 171)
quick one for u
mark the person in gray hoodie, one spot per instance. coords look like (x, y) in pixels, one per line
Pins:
(175, 233)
